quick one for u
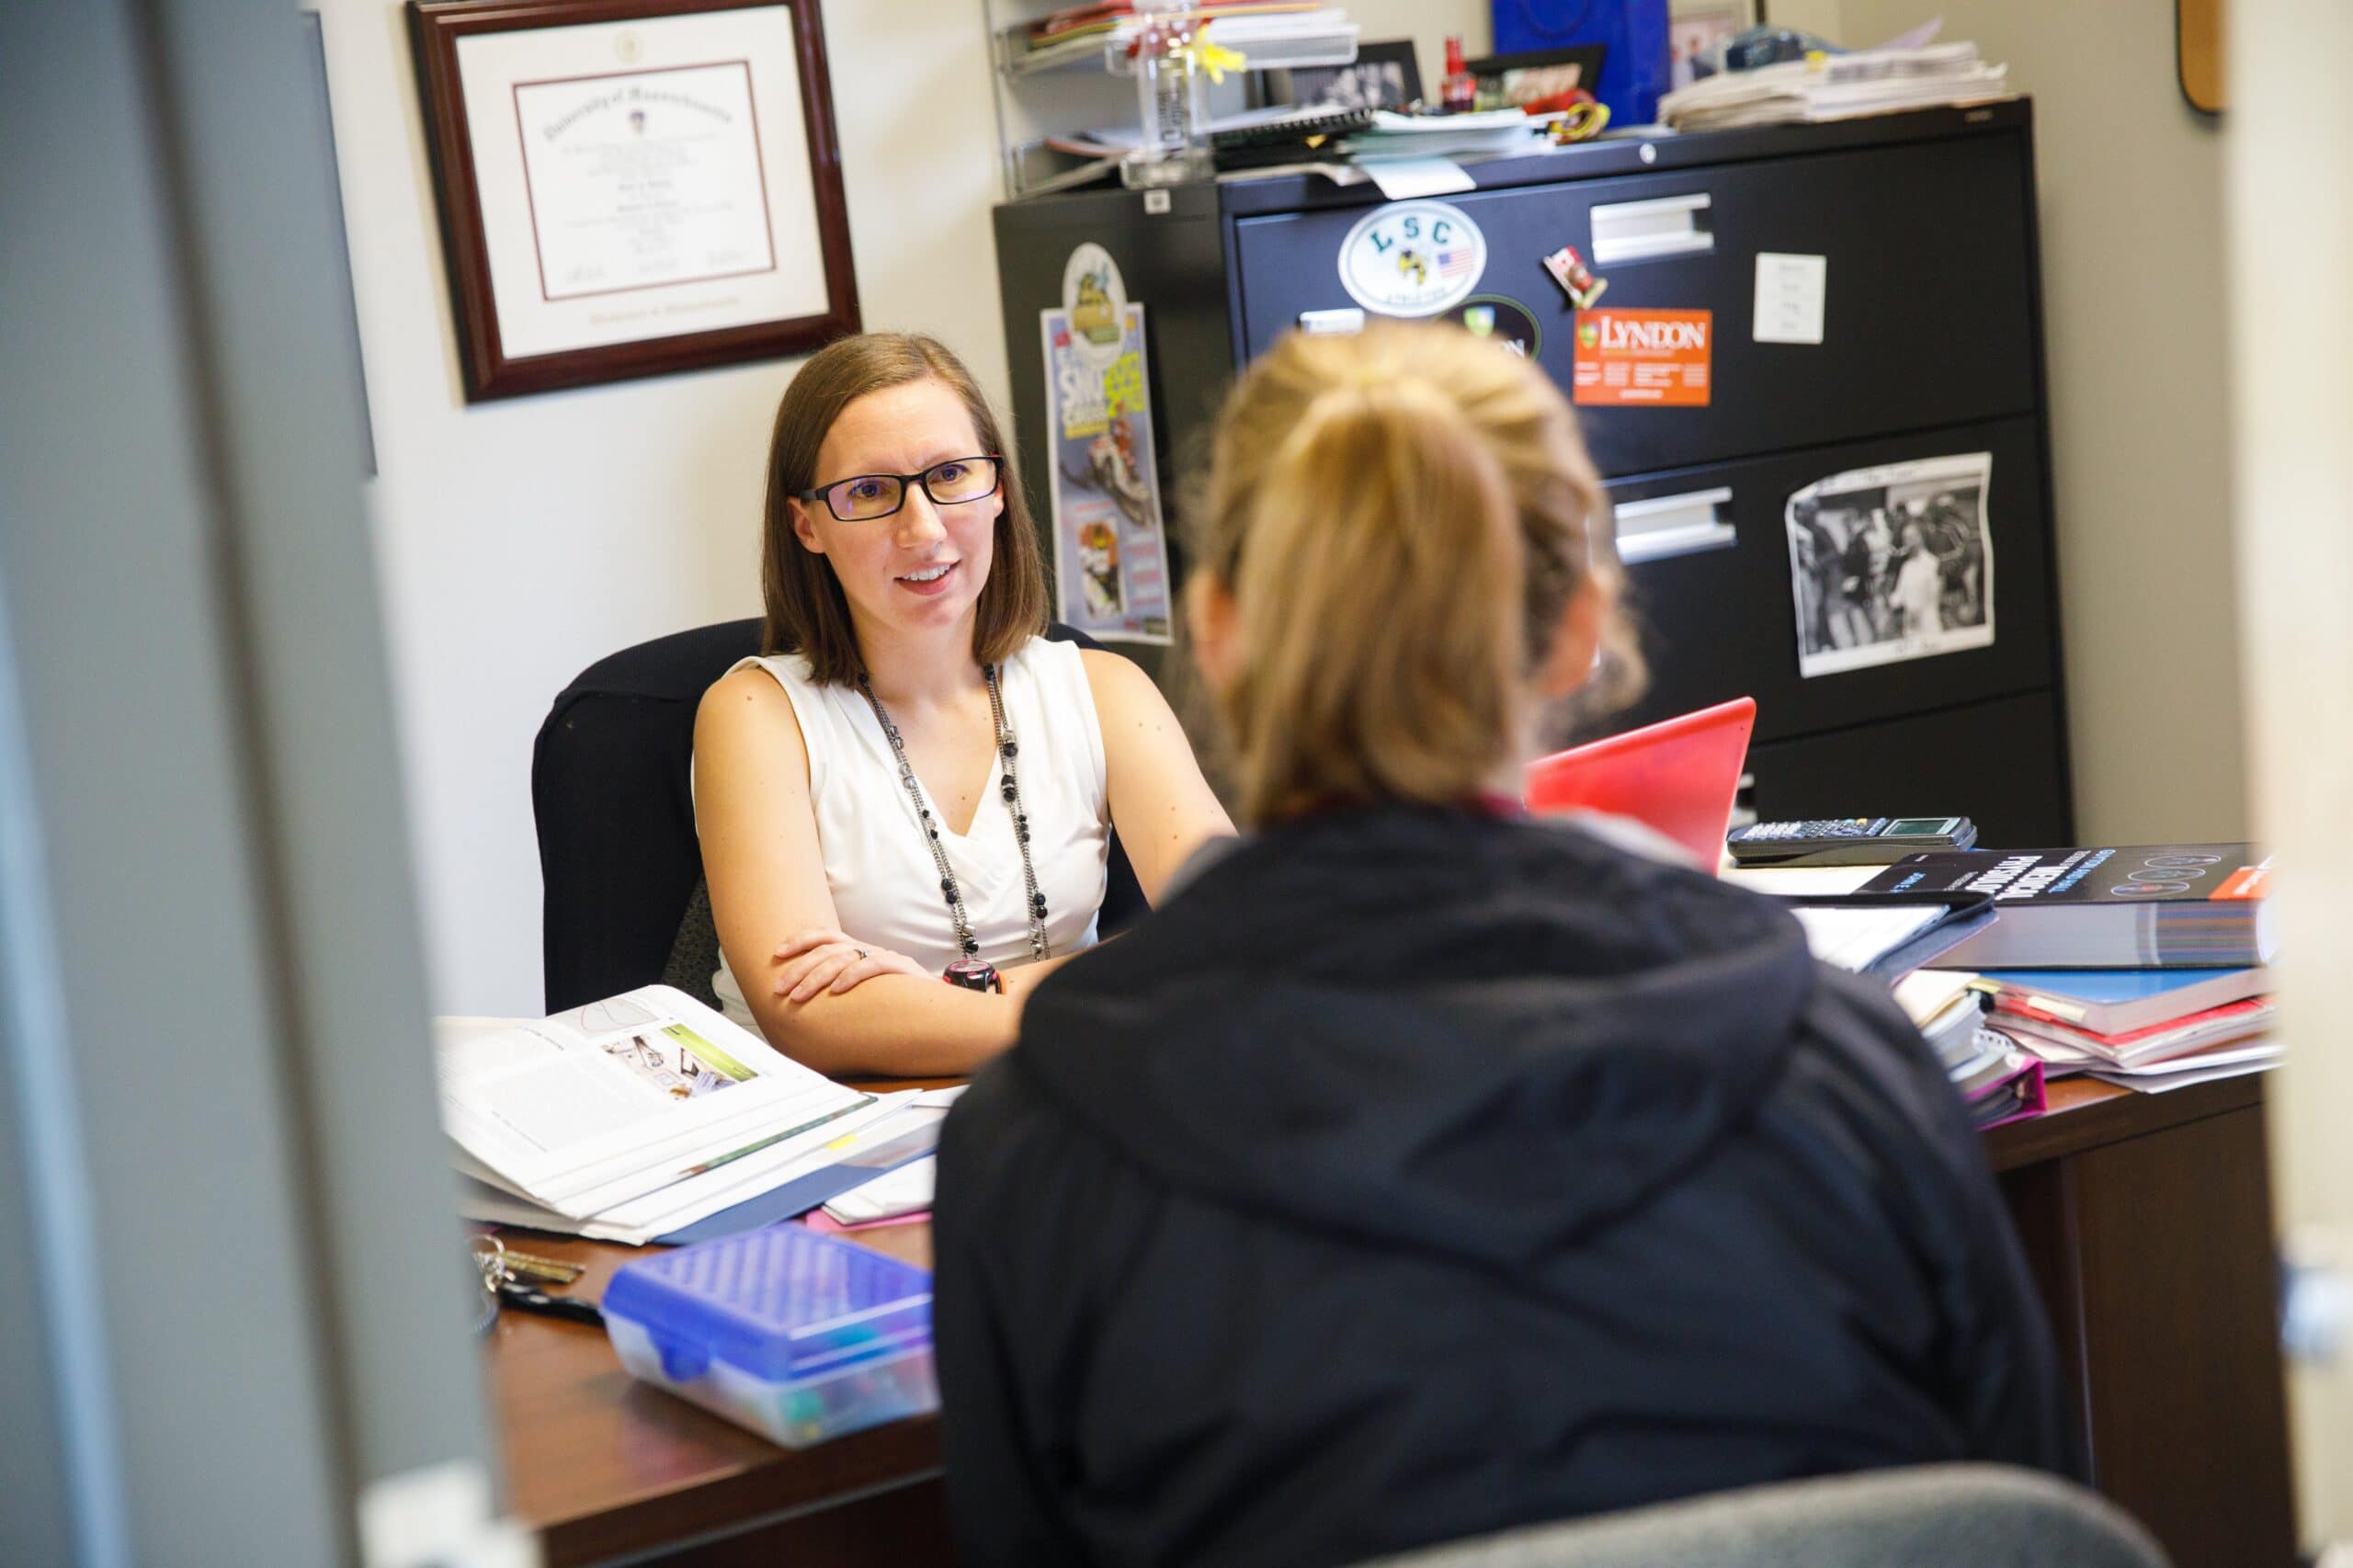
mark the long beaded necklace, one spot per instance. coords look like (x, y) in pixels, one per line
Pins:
(1007, 748)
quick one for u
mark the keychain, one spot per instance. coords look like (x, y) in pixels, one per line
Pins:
(504, 1273)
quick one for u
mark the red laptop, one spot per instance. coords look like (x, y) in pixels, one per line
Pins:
(1679, 776)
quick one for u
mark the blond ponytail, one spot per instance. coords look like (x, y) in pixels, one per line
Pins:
(1378, 505)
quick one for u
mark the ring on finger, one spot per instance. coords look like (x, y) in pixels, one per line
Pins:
(860, 951)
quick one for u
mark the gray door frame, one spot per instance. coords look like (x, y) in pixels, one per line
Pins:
(247, 1306)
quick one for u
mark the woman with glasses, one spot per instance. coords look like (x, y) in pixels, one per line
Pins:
(912, 783)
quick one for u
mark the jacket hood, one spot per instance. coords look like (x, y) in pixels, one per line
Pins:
(1481, 1036)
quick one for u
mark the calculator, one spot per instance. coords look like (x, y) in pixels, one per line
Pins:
(1846, 841)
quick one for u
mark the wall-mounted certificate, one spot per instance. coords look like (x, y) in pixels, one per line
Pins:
(634, 187)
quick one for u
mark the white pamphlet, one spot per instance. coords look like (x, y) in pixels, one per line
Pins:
(600, 1104)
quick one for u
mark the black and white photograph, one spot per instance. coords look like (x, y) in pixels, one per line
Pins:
(1892, 564)
(1384, 75)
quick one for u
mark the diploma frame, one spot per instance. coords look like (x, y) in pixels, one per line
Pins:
(493, 364)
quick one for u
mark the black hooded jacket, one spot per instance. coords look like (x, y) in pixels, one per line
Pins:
(1414, 1174)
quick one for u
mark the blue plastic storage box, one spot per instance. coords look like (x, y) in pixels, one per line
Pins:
(797, 1335)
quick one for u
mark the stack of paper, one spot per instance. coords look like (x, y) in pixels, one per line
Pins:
(1836, 86)
(1999, 1080)
(633, 1118)
(1947, 1009)
(1267, 33)
(1488, 133)
(1270, 40)
(2217, 1042)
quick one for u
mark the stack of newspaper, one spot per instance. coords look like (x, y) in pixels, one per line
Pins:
(635, 1117)
(1836, 86)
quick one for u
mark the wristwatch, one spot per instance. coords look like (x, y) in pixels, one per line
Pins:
(974, 974)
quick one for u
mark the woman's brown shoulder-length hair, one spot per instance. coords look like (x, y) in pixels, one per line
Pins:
(806, 611)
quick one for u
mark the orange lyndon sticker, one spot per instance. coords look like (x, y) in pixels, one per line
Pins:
(1659, 357)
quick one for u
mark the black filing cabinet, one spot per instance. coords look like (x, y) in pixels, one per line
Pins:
(1931, 345)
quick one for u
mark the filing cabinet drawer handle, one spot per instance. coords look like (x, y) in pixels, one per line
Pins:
(1659, 527)
(1343, 320)
(1638, 230)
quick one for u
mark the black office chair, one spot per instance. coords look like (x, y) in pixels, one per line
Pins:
(621, 867)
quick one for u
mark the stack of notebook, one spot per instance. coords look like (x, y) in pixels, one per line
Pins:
(2146, 1029)
(2142, 966)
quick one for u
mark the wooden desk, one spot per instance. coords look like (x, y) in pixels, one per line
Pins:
(2147, 1220)
(2146, 1217)
(604, 1466)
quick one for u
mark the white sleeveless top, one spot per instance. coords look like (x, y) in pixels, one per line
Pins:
(878, 862)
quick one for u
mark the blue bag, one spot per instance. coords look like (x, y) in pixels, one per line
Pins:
(1632, 33)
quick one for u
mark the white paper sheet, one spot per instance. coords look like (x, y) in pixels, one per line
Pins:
(2166, 1083)
(1852, 938)
(1403, 179)
(1790, 292)
(1801, 882)
(902, 1191)
(1925, 994)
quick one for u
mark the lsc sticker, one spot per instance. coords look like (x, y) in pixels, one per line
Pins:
(1413, 258)
(1097, 298)
(1662, 358)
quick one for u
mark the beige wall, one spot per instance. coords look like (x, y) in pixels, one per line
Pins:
(519, 541)
(1821, 17)
(2291, 203)
(2133, 300)
(1427, 23)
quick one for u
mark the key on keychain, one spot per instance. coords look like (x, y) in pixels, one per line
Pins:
(508, 1263)
(548, 1270)
(531, 1298)
(500, 1267)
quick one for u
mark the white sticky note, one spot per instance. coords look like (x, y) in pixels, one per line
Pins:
(1403, 179)
(1790, 291)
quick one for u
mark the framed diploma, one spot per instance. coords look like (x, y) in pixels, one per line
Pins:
(630, 187)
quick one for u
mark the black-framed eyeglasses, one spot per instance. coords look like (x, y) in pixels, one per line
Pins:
(867, 496)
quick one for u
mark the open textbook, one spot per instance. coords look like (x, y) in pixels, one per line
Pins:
(630, 1117)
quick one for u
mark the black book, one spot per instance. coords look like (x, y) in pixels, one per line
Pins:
(1287, 124)
(2148, 906)
(1270, 137)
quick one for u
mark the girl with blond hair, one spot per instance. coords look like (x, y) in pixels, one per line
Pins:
(1420, 1169)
